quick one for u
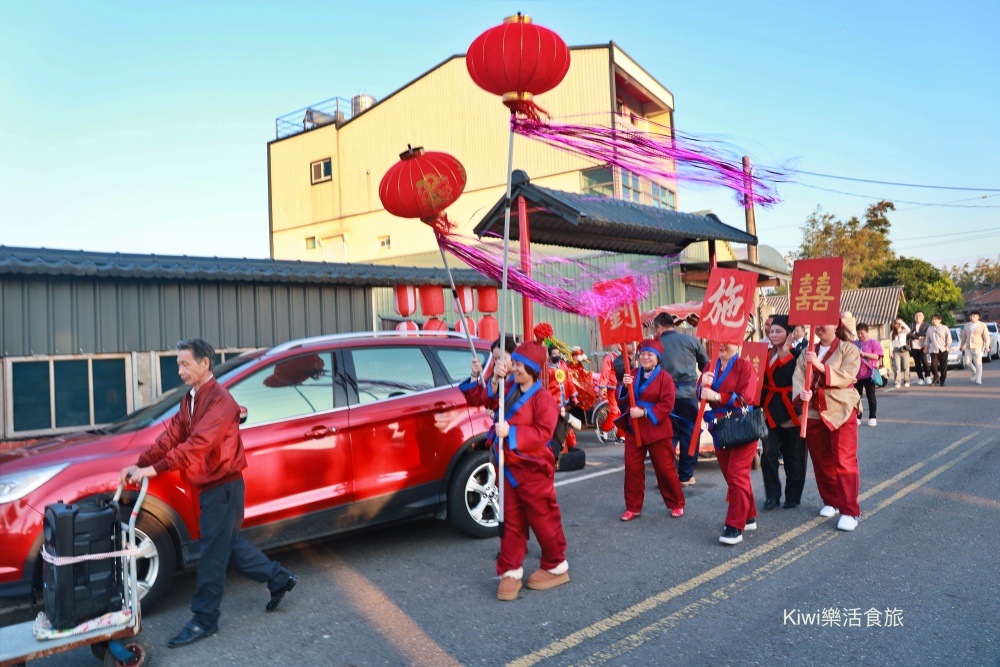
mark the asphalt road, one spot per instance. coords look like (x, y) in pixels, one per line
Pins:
(917, 583)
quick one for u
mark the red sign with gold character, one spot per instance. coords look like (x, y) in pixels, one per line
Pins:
(621, 325)
(756, 354)
(727, 305)
(814, 296)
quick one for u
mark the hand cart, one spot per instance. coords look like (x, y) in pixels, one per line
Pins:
(116, 645)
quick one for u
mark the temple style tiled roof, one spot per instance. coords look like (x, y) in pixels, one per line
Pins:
(874, 305)
(82, 263)
(602, 223)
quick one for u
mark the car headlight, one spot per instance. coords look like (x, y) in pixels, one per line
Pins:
(18, 485)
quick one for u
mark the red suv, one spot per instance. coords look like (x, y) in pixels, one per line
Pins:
(341, 432)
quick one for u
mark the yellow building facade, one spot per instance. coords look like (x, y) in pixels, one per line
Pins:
(323, 178)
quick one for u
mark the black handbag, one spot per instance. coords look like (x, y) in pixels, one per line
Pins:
(739, 427)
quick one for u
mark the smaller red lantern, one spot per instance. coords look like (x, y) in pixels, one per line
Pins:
(468, 325)
(407, 325)
(422, 185)
(489, 328)
(404, 300)
(488, 300)
(466, 299)
(431, 300)
(434, 324)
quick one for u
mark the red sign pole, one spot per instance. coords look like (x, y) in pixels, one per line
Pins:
(808, 384)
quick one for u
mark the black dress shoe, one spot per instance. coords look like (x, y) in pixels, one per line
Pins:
(278, 595)
(770, 503)
(191, 633)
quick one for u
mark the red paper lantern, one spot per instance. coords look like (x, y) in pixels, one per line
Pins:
(466, 298)
(518, 60)
(488, 301)
(422, 185)
(489, 328)
(407, 325)
(435, 324)
(404, 300)
(468, 324)
(431, 300)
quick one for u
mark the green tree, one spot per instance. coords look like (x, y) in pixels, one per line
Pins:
(985, 272)
(927, 288)
(864, 245)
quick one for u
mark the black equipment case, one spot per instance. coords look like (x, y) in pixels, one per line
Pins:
(80, 591)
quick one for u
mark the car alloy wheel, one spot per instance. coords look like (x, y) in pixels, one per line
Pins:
(473, 498)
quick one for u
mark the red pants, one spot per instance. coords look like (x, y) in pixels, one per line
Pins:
(531, 504)
(835, 463)
(735, 463)
(661, 453)
(570, 440)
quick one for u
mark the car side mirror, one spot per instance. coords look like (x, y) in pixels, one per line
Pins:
(243, 414)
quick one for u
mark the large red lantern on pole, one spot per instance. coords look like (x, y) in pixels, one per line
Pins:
(422, 185)
(518, 60)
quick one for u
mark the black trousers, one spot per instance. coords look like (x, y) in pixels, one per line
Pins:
(867, 386)
(786, 442)
(222, 544)
(920, 363)
(939, 364)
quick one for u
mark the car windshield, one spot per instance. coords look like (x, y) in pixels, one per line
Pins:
(159, 408)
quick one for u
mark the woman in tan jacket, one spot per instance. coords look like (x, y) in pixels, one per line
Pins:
(832, 434)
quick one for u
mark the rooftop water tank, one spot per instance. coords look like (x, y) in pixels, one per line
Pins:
(361, 103)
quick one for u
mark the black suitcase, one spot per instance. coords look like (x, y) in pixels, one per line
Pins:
(80, 591)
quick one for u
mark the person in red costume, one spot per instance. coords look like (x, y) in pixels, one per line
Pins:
(563, 391)
(529, 471)
(609, 380)
(726, 388)
(654, 400)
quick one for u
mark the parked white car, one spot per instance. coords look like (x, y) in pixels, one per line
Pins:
(994, 340)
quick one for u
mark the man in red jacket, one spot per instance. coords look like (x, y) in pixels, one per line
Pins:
(203, 442)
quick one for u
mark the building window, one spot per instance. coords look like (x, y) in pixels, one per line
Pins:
(67, 393)
(671, 202)
(598, 182)
(631, 187)
(321, 171)
(662, 197)
(384, 243)
(310, 243)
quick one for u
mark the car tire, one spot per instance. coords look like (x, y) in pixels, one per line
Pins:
(473, 496)
(157, 562)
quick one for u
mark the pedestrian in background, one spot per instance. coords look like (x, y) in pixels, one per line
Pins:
(938, 344)
(871, 353)
(901, 352)
(975, 338)
(799, 341)
(918, 347)
(202, 441)
(727, 388)
(832, 431)
(684, 357)
(783, 438)
(650, 418)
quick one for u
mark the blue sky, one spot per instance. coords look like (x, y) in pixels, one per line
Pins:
(142, 127)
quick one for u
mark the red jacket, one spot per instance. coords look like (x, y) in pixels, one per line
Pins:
(655, 392)
(205, 446)
(564, 392)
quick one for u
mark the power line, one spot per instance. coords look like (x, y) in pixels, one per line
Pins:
(895, 201)
(905, 185)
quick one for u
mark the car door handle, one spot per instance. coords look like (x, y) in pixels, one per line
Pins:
(318, 432)
(441, 406)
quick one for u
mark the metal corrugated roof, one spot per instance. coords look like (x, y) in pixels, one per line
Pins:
(51, 262)
(873, 305)
(600, 223)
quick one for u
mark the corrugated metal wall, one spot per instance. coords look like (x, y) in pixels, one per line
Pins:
(572, 329)
(74, 316)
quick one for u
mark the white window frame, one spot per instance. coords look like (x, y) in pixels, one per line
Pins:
(385, 242)
(320, 163)
(8, 387)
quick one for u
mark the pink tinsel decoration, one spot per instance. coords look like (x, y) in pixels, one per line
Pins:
(667, 156)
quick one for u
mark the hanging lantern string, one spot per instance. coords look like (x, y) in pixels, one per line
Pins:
(667, 156)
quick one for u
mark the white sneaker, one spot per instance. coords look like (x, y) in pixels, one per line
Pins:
(979, 381)
(847, 523)
(971, 379)
(897, 385)
(872, 422)
(920, 382)
(829, 511)
(906, 384)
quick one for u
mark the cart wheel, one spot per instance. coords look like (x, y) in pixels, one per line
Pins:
(141, 649)
(99, 650)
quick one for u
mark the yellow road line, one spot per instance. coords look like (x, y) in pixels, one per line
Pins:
(654, 630)
(398, 629)
(613, 621)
